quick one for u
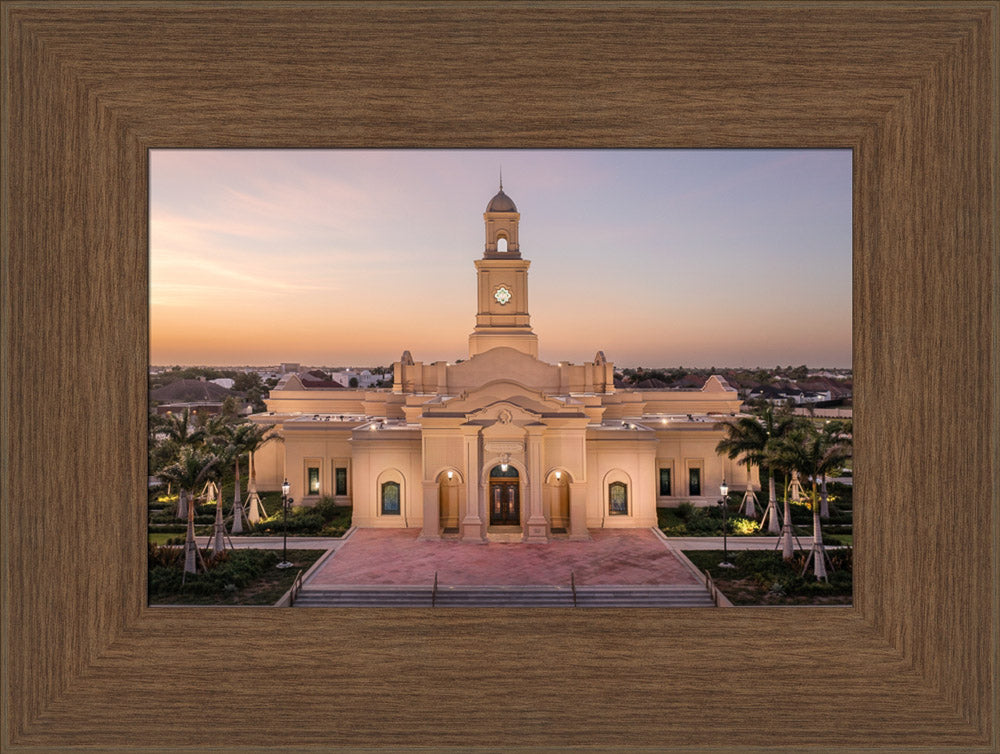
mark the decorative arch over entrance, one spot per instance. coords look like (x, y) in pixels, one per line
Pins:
(503, 497)
(557, 495)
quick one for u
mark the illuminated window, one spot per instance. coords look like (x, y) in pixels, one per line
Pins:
(313, 480)
(390, 498)
(341, 481)
(664, 482)
(694, 482)
(618, 499)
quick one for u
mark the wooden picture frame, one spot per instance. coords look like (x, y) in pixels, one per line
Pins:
(910, 87)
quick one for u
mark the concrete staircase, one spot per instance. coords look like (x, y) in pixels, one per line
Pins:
(504, 596)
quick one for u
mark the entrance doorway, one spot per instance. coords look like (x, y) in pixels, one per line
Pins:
(448, 484)
(505, 499)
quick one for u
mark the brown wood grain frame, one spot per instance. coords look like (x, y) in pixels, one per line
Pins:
(90, 87)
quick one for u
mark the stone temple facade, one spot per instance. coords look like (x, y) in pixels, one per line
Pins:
(501, 444)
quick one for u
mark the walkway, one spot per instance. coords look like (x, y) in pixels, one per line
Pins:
(398, 557)
(737, 543)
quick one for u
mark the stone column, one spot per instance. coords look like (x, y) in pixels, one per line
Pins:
(536, 529)
(432, 512)
(472, 523)
(578, 511)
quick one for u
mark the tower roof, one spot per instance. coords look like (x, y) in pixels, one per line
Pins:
(501, 203)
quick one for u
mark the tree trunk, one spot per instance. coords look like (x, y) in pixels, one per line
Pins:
(787, 550)
(182, 504)
(749, 502)
(237, 494)
(819, 556)
(190, 546)
(238, 519)
(218, 542)
(772, 504)
(824, 507)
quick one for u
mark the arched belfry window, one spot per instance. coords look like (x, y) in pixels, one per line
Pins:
(502, 244)
(390, 499)
(618, 499)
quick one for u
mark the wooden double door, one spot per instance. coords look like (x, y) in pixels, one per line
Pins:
(505, 503)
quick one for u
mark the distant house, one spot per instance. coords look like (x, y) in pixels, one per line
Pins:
(778, 394)
(195, 395)
(364, 378)
(689, 382)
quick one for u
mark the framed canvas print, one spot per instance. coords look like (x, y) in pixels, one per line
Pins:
(362, 373)
(90, 89)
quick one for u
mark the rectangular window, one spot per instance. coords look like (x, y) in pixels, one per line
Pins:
(664, 482)
(694, 482)
(341, 479)
(390, 498)
(618, 499)
(313, 480)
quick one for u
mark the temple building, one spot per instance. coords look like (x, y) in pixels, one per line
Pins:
(501, 444)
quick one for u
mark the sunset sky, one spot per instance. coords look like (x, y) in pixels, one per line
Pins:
(348, 257)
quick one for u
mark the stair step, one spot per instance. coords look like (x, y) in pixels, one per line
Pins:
(504, 596)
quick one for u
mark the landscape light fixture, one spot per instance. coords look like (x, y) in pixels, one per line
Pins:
(724, 490)
(285, 502)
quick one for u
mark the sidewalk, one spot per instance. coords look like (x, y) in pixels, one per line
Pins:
(275, 543)
(737, 543)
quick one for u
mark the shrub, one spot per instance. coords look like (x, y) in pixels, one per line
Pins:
(326, 507)
(685, 510)
(228, 571)
(700, 524)
(744, 526)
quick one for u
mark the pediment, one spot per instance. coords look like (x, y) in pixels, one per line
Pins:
(504, 364)
(518, 397)
(501, 414)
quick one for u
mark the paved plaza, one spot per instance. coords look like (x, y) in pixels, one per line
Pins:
(399, 557)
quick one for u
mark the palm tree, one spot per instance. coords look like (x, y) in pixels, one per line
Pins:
(181, 429)
(247, 438)
(804, 453)
(254, 441)
(219, 530)
(745, 439)
(181, 433)
(753, 438)
(218, 436)
(839, 447)
(193, 466)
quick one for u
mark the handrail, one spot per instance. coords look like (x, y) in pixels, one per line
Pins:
(296, 588)
(434, 592)
(713, 590)
(572, 583)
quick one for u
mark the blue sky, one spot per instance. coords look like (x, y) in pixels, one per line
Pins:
(348, 257)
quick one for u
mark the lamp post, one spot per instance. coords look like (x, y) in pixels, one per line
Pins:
(285, 502)
(724, 490)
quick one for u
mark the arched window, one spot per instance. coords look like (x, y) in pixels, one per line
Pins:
(499, 472)
(390, 499)
(502, 244)
(618, 499)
